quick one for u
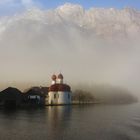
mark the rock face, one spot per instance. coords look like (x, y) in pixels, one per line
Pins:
(102, 22)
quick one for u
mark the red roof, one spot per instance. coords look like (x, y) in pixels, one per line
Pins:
(59, 87)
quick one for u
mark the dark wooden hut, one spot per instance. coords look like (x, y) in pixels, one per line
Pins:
(10, 97)
(35, 96)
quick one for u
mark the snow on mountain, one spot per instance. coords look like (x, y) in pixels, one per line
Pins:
(103, 22)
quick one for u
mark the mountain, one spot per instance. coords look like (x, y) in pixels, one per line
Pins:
(100, 21)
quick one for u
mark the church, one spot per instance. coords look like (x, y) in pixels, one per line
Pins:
(59, 93)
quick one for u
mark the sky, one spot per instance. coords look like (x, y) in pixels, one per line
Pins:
(94, 3)
(13, 6)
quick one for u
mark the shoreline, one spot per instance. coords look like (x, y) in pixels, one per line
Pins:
(46, 105)
(74, 103)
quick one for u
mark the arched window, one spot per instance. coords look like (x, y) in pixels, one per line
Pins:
(68, 96)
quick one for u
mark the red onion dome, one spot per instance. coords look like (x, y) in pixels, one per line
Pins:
(54, 77)
(60, 76)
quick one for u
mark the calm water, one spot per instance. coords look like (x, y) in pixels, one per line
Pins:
(92, 122)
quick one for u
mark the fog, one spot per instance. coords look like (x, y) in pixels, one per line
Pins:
(91, 47)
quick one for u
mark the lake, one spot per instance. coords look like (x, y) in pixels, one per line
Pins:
(78, 122)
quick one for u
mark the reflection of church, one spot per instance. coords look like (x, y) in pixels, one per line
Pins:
(58, 121)
(59, 93)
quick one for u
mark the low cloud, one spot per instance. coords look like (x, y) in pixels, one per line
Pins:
(89, 46)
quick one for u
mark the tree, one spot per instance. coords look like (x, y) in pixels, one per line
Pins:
(82, 96)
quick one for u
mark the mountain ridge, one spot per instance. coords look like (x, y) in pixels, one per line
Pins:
(104, 22)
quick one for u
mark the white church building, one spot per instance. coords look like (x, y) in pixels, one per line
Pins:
(59, 93)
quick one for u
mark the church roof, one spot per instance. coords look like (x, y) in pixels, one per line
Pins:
(60, 87)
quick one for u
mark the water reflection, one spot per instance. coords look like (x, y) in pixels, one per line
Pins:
(58, 119)
(99, 122)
